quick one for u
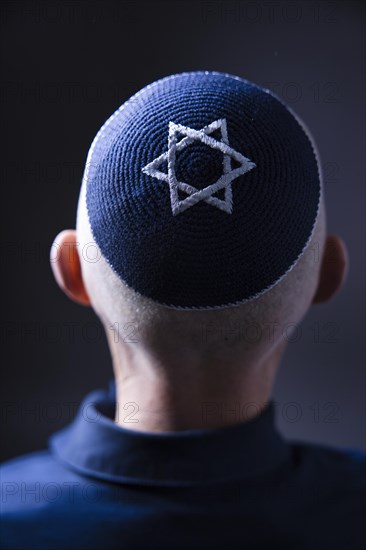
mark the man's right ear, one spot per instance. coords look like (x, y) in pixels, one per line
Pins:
(333, 269)
(65, 263)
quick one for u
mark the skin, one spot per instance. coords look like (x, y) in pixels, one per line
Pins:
(179, 386)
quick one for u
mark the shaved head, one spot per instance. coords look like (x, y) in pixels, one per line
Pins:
(212, 331)
(201, 240)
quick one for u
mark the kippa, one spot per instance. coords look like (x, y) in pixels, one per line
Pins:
(202, 190)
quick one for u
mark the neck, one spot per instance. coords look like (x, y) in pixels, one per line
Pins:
(158, 394)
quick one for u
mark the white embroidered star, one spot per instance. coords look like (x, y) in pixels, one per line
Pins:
(224, 181)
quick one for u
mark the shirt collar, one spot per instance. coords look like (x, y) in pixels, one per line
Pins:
(96, 446)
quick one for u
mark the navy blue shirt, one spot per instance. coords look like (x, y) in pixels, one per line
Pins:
(243, 486)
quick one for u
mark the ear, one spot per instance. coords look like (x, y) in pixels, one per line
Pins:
(333, 269)
(65, 264)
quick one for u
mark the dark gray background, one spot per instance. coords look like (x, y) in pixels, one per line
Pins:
(66, 66)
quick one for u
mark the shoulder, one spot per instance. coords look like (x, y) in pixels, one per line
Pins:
(34, 466)
(330, 471)
(39, 500)
(336, 481)
(32, 481)
(345, 464)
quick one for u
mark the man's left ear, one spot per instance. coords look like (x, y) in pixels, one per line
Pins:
(333, 269)
(65, 264)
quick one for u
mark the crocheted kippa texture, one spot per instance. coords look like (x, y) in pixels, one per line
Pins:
(202, 190)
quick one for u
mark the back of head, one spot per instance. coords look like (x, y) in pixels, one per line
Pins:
(202, 196)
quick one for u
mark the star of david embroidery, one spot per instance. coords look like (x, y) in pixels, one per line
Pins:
(206, 194)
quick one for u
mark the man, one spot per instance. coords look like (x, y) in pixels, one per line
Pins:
(201, 238)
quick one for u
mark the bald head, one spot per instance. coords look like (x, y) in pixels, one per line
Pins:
(188, 265)
(212, 331)
(200, 243)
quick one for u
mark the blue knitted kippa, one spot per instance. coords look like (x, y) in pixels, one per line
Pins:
(202, 190)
